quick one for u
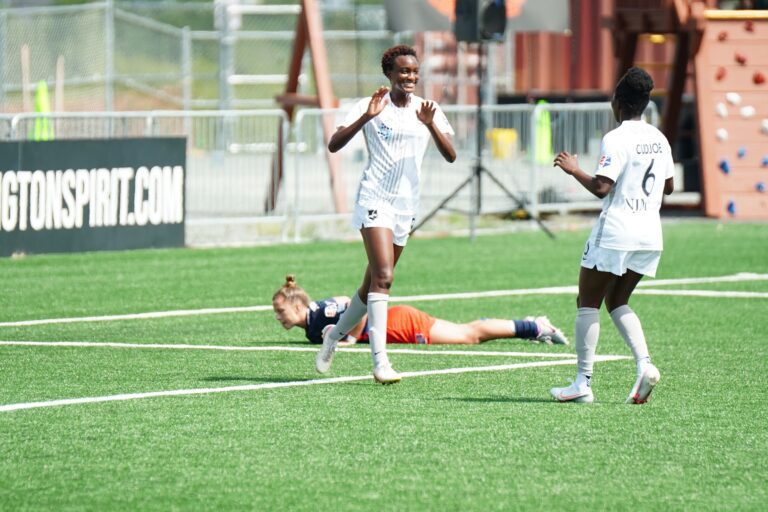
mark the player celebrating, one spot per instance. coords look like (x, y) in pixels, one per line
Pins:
(635, 168)
(397, 126)
(405, 324)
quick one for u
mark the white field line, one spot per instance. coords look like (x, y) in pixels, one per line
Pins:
(485, 353)
(554, 290)
(705, 293)
(277, 385)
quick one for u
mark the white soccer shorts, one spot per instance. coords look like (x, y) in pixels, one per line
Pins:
(400, 225)
(618, 262)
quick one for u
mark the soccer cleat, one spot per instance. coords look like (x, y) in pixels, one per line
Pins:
(384, 374)
(644, 385)
(325, 354)
(573, 393)
(548, 333)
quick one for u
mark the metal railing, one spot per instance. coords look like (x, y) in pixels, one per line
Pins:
(231, 164)
(577, 128)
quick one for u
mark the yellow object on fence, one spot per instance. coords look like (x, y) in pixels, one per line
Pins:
(503, 143)
(42, 129)
(543, 135)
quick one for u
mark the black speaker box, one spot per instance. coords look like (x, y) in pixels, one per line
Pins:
(480, 20)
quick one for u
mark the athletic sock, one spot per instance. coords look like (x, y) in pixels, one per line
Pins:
(377, 327)
(526, 329)
(629, 327)
(349, 318)
(587, 332)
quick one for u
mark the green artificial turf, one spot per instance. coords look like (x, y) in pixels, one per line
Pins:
(491, 440)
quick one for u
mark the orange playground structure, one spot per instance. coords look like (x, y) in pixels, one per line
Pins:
(726, 53)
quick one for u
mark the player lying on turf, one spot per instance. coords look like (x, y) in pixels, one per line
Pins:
(405, 324)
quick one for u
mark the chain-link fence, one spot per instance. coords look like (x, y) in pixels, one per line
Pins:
(144, 55)
(130, 55)
(36, 44)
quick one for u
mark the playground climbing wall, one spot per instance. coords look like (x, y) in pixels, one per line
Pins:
(732, 103)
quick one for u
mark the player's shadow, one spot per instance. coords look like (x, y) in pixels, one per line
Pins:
(503, 399)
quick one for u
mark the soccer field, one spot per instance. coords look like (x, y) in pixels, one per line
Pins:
(159, 380)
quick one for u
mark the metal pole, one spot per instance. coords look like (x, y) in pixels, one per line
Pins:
(186, 68)
(476, 184)
(109, 71)
(533, 194)
(225, 56)
(3, 80)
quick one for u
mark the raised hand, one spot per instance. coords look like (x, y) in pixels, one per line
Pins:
(567, 162)
(426, 113)
(378, 102)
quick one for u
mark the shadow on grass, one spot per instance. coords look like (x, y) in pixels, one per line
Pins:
(503, 399)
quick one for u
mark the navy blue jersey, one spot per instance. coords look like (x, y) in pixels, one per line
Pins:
(322, 313)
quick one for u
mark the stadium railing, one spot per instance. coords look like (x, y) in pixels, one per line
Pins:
(231, 164)
(577, 128)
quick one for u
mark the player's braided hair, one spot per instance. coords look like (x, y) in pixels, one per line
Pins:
(389, 56)
(634, 91)
(291, 292)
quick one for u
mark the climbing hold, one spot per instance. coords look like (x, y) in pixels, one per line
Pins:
(740, 58)
(722, 134)
(747, 111)
(758, 78)
(725, 166)
(731, 207)
(720, 74)
(742, 152)
(733, 98)
(721, 109)
(760, 187)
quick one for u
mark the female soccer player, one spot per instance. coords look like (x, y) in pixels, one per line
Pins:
(397, 126)
(635, 168)
(405, 324)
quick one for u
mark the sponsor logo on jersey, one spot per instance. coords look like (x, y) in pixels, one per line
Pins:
(605, 161)
(372, 214)
(421, 339)
(330, 310)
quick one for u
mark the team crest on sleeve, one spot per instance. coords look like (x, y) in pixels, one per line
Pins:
(330, 310)
(605, 161)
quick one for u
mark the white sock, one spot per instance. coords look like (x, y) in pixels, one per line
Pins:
(377, 327)
(629, 327)
(349, 318)
(586, 333)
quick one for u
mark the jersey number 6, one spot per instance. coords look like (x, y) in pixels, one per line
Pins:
(648, 180)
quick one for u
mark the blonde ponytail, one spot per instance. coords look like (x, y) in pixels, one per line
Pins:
(292, 292)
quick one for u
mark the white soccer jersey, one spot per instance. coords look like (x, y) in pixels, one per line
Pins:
(638, 158)
(396, 141)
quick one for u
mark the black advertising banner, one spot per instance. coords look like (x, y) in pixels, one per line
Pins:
(439, 15)
(90, 195)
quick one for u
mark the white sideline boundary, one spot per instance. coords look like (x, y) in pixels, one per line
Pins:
(166, 346)
(279, 385)
(553, 290)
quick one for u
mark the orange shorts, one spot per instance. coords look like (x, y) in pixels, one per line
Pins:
(408, 325)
